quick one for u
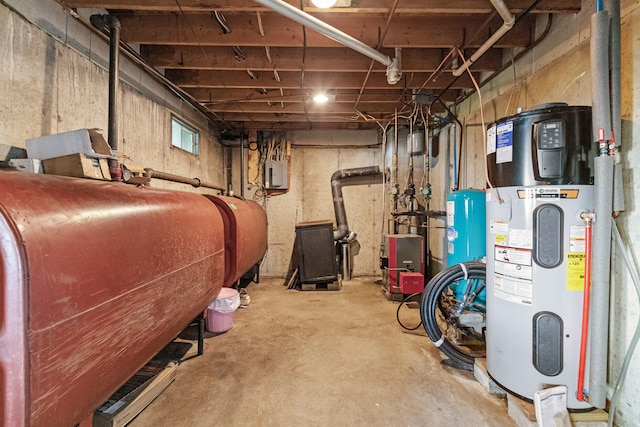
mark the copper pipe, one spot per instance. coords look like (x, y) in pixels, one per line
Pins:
(195, 182)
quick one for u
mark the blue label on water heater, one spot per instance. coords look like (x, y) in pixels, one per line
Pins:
(504, 143)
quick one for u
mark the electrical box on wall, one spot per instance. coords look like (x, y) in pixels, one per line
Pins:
(276, 174)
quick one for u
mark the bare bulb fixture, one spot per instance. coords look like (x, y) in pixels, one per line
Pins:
(320, 98)
(323, 4)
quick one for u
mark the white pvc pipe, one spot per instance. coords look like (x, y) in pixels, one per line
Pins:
(325, 29)
(509, 21)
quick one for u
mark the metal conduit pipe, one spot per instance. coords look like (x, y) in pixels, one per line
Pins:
(195, 182)
(342, 228)
(393, 65)
(113, 25)
(509, 21)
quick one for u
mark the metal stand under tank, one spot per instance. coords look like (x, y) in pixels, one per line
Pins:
(539, 163)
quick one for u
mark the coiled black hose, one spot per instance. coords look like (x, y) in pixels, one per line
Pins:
(403, 302)
(431, 305)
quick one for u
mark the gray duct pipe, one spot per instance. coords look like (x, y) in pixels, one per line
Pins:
(509, 21)
(601, 268)
(342, 229)
(393, 65)
(112, 23)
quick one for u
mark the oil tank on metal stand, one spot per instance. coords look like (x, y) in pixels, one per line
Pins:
(96, 277)
(245, 235)
(540, 163)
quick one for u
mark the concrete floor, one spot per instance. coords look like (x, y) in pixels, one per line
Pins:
(321, 358)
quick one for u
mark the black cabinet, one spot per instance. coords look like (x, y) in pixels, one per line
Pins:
(316, 252)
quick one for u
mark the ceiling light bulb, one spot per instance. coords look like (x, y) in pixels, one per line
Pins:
(320, 98)
(324, 4)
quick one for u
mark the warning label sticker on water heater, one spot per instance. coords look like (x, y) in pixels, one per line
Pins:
(504, 143)
(513, 290)
(491, 140)
(575, 271)
(513, 274)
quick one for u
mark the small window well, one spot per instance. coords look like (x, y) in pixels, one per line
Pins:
(184, 136)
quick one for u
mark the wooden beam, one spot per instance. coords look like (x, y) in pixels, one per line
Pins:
(290, 59)
(421, 7)
(290, 126)
(293, 80)
(330, 108)
(212, 97)
(406, 32)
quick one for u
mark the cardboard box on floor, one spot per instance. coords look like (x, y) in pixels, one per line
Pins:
(78, 165)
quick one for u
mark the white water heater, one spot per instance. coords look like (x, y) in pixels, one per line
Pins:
(540, 163)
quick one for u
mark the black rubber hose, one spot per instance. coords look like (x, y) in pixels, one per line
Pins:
(404, 301)
(430, 304)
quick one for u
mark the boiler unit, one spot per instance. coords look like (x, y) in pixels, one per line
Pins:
(403, 253)
(96, 277)
(540, 165)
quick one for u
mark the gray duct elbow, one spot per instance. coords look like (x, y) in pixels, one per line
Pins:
(342, 228)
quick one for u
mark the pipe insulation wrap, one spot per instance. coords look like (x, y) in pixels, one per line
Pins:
(342, 228)
(618, 187)
(599, 313)
(325, 29)
(600, 98)
(613, 7)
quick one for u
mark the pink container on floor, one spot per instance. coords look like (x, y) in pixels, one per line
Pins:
(220, 311)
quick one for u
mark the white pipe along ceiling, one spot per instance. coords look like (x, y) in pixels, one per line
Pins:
(393, 65)
(509, 21)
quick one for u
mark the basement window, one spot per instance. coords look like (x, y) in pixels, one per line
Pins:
(184, 136)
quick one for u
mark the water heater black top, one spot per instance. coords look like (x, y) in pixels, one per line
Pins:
(550, 144)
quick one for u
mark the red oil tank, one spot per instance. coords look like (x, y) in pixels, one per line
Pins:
(245, 235)
(95, 278)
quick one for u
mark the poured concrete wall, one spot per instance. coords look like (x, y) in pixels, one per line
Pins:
(315, 156)
(49, 85)
(558, 70)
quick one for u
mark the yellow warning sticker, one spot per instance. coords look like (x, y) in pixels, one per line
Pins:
(501, 239)
(575, 271)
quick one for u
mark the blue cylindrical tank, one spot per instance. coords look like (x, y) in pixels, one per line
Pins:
(466, 237)
(466, 214)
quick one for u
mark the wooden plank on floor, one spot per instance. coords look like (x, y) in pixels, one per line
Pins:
(524, 414)
(144, 388)
(334, 286)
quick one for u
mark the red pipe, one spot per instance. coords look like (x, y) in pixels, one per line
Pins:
(585, 311)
